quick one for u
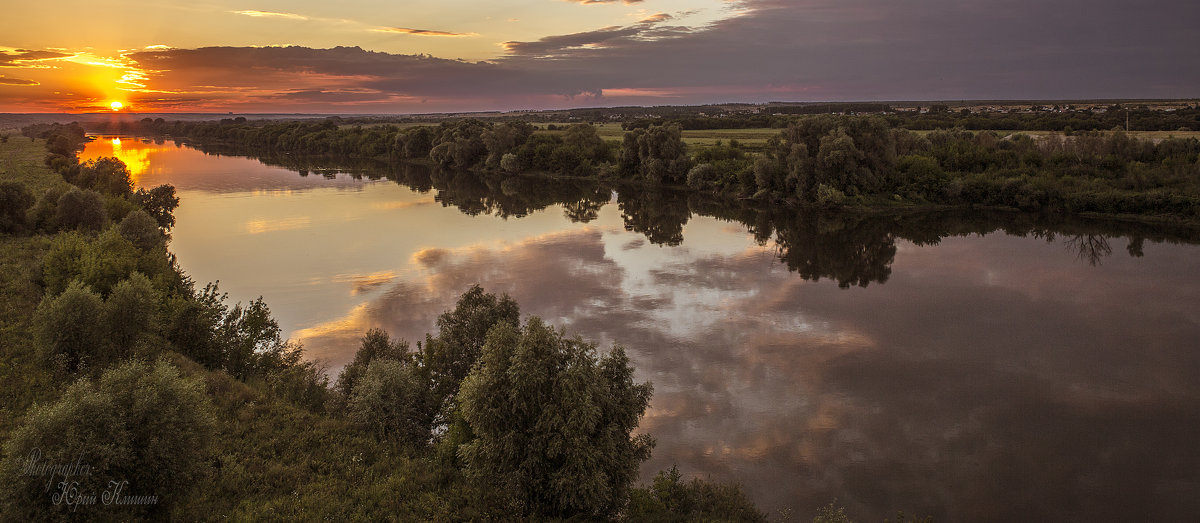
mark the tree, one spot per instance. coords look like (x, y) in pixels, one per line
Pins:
(448, 358)
(192, 322)
(132, 309)
(160, 203)
(669, 498)
(553, 422)
(69, 328)
(105, 175)
(140, 428)
(80, 209)
(15, 202)
(141, 230)
(376, 345)
(390, 400)
(249, 336)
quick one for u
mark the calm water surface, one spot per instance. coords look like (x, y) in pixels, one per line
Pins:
(973, 368)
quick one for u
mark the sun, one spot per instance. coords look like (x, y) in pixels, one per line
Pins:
(116, 106)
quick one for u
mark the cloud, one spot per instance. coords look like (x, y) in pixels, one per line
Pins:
(16, 81)
(556, 44)
(657, 18)
(422, 32)
(25, 57)
(271, 14)
(762, 50)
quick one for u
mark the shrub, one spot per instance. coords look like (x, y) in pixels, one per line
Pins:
(140, 426)
(15, 202)
(390, 400)
(69, 328)
(141, 230)
(81, 209)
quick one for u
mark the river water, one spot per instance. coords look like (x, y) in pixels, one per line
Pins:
(968, 366)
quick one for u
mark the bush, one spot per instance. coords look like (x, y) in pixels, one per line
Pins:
(141, 427)
(141, 230)
(376, 345)
(44, 214)
(828, 196)
(15, 202)
(390, 401)
(69, 328)
(669, 498)
(132, 309)
(81, 209)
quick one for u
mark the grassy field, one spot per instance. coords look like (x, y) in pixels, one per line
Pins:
(26, 380)
(750, 138)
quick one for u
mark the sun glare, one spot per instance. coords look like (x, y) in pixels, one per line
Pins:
(116, 106)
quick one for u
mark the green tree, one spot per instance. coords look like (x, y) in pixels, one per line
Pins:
(160, 203)
(249, 337)
(192, 323)
(80, 209)
(669, 498)
(376, 345)
(105, 175)
(553, 422)
(109, 259)
(15, 202)
(462, 332)
(44, 214)
(390, 400)
(139, 426)
(69, 328)
(141, 230)
(132, 309)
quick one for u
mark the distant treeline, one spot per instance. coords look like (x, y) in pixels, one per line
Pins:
(850, 248)
(822, 161)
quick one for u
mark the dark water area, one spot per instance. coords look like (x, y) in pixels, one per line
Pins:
(970, 366)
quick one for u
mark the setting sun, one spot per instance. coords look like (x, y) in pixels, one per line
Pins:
(116, 106)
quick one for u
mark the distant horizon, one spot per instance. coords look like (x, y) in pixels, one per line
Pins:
(955, 102)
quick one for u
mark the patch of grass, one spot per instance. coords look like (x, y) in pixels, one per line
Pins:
(21, 161)
(26, 378)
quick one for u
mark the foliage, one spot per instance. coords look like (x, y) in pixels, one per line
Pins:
(132, 310)
(447, 358)
(669, 498)
(15, 202)
(80, 209)
(138, 423)
(141, 230)
(159, 202)
(69, 328)
(390, 400)
(376, 345)
(552, 422)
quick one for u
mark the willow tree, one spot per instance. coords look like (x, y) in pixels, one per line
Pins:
(552, 422)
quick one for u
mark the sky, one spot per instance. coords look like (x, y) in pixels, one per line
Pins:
(419, 56)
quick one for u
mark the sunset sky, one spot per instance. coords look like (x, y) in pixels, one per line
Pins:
(468, 55)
